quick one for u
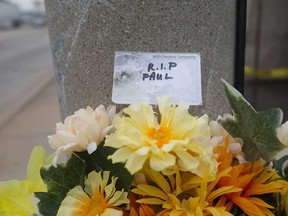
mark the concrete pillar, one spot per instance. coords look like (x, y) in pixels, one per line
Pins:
(85, 34)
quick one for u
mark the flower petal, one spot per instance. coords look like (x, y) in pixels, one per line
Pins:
(36, 161)
(91, 147)
(75, 202)
(247, 206)
(111, 211)
(135, 162)
(161, 161)
(166, 110)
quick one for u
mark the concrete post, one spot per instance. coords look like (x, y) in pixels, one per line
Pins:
(85, 34)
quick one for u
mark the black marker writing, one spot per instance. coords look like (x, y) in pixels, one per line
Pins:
(162, 67)
(153, 75)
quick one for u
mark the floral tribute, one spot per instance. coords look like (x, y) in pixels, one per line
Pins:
(145, 161)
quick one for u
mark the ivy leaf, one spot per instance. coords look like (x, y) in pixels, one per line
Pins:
(99, 161)
(49, 203)
(256, 129)
(59, 180)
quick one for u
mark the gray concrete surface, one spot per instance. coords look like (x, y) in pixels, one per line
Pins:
(85, 34)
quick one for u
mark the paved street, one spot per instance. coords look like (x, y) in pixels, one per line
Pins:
(28, 106)
(26, 62)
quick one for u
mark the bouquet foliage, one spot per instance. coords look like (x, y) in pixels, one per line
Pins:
(146, 162)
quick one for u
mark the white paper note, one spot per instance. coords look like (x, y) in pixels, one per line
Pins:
(143, 76)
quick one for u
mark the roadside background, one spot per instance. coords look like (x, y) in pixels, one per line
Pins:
(28, 96)
(29, 5)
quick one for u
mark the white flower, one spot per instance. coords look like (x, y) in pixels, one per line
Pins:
(282, 133)
(82, 131)
(235, 144)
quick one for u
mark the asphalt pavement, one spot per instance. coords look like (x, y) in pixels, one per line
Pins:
(28, 106)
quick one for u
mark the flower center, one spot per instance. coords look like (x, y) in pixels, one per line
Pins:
(161, 135)
(98, 204)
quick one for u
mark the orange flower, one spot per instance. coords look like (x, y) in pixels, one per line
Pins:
(143, 210)
(138, 209)
(225, 157)
(252, 178)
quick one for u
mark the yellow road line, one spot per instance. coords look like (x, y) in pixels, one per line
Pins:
(272, 73)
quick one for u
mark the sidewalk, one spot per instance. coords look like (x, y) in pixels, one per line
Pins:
(27, 128)
(26, 66)
(29, 105)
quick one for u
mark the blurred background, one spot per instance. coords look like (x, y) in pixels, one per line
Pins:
(29, 106)
(28, 96)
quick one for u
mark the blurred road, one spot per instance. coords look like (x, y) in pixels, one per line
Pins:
(28, 100)
(25, 61)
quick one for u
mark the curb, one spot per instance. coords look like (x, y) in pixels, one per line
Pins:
(27, 97)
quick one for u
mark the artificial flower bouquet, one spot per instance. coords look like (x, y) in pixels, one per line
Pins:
(141, 162)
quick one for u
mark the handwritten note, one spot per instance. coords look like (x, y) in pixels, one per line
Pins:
(143, 76)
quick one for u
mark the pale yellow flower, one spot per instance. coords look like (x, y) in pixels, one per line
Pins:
(179, 141)
(97, 198)
(82, 131)
(16, 197)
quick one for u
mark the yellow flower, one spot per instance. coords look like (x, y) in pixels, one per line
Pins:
(82, 131)
(170, 195)
(97, 198)
(16, 196)
(178, 141)
(193, 206)
(156, 192)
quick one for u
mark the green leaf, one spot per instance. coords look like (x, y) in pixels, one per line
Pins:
(236, 210)
(99, 161)
(49, 203)
(59, 181)
(256, 129)
(282, 166)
